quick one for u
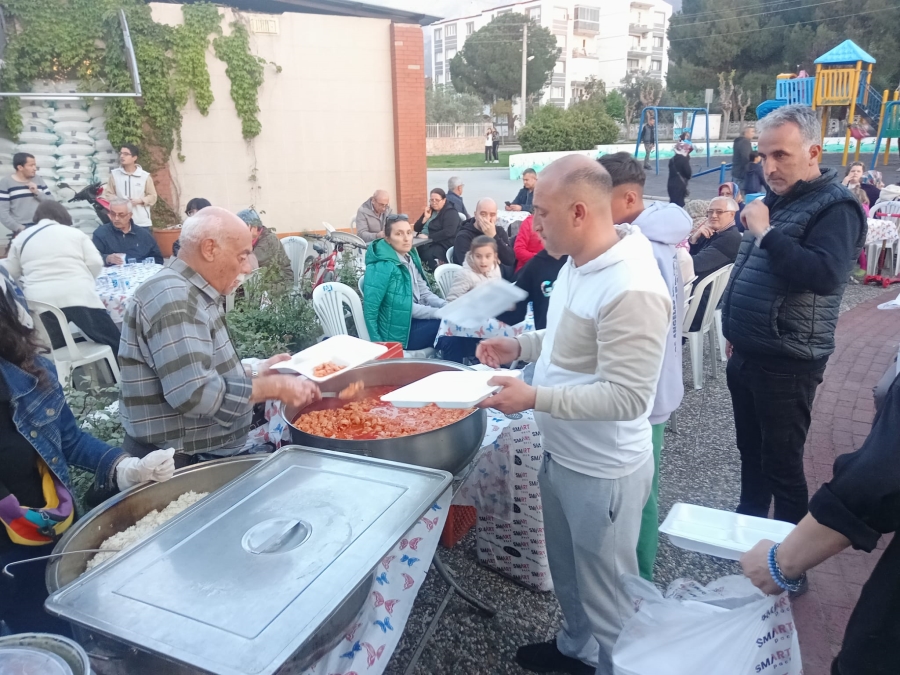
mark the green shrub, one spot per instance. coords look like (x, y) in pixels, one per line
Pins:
(581, 127)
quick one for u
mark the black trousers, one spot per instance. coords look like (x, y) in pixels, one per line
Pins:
(95, 323)
(771, 418)
(648, 149)
(487, 153)
(22, 598)
(495, 149)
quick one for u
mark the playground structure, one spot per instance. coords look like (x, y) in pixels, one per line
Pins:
(843, 79)
(654, 112)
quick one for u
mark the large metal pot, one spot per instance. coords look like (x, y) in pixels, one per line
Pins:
(125, 509)
(449, 448)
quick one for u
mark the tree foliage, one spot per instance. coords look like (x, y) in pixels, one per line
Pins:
(760, 38)
(581, 127)
(639, 91)
(490, 62)
(445, 105)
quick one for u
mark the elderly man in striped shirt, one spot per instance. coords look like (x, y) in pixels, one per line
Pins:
(183, 385)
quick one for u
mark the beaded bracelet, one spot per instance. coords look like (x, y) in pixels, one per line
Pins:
(792, 585)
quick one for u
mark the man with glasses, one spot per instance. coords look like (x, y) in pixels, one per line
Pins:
(714, 245)
(371, 216)
(119, 239)
(131, 182)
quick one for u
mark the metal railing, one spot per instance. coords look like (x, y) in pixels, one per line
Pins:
(798, 90)
(473, 130)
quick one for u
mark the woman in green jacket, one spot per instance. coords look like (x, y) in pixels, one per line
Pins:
(397, 304)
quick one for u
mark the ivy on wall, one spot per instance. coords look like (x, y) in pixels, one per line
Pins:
(246, 74)
(82, 40)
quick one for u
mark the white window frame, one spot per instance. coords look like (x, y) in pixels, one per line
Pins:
(470, 27)
(439, 78)
(558, 90)
(450, 30)
(438, 33)
(636, 66)
(450, 54)
(559, 67)
(659, 18)
(662, 42)
(534, 13)
(439, 57)
(655, 66)
(557, 11)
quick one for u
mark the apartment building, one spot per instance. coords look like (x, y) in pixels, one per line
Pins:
(606, 40)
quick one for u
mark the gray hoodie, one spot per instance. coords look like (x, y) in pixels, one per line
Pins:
(666, 225)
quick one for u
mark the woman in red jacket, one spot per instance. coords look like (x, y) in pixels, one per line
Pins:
(528, 243)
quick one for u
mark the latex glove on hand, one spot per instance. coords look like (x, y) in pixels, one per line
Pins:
(159, 465)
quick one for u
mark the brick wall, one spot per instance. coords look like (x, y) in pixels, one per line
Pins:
(408, 74)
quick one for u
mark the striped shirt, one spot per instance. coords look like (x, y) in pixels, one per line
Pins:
(18, 204)
(183, 385)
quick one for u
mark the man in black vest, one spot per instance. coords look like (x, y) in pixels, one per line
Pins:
(781, 307)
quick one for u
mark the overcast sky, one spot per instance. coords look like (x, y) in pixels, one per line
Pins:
(449, 8)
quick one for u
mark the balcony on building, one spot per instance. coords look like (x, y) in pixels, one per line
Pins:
(642, 4)
(635, 28)
(641, 51)
(587, 20)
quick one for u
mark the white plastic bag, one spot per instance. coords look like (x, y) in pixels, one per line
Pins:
(726, 627)
(482, 303)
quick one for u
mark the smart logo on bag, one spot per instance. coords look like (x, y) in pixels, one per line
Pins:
(779, 658)
(784, 631)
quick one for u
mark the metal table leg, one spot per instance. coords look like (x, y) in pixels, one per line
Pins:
(486, 609)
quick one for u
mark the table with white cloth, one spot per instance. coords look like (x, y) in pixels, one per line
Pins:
(117, 284)
(487, 329)
(506, 219)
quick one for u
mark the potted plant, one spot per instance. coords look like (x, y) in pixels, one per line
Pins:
(166, 227)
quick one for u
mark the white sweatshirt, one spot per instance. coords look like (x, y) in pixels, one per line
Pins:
(58, 265)
(599, 359)
(666, 225)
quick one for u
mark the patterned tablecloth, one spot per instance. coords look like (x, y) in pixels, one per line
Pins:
(489, 329)
(118, 283)
(881, 231)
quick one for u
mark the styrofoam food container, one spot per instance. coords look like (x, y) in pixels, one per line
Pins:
(482, 303)
(448, 389)
(720, 533)
(343, 350)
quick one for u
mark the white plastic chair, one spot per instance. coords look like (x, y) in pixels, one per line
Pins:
(328, 302)
(892, 210)
(296, 248)
(74, 354)
(359, 285)
(716, 282)
(450, 254)
(444, 275)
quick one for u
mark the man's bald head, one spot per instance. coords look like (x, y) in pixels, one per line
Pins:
(216, 244)
(572, 208)
(486, 203)
(380, 201)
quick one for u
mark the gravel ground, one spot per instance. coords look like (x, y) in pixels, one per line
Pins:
(699, 466)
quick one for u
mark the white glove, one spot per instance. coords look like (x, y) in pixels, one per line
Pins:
(159, 465)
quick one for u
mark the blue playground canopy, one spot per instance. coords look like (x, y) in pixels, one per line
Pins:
(846, 52)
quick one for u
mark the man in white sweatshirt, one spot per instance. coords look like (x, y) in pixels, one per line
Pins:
(665, 225)
(131, 182)
(594, 384)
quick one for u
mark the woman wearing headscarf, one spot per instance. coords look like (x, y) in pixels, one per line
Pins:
(679, 172)
(733, 190)
(39, 440)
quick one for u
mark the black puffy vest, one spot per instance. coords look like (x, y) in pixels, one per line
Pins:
(766, 315)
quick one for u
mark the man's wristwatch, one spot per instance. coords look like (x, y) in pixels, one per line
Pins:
(762, 234)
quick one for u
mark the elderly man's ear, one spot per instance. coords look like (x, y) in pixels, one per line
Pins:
(208, 249)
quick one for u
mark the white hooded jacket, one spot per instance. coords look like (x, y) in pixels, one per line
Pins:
(666, 225)
(137, 185)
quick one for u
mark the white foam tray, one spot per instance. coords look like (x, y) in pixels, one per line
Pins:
(482, 303)
(342, 350)
(448, 389)
(719, 533)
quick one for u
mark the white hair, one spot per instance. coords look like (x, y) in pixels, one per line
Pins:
(453, 183)
(205, 224)
(730, 204)
(803, 116)
(121, 201)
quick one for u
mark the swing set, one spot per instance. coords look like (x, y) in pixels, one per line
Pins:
(655, 112)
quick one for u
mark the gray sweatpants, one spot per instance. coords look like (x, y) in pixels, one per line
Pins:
(591, 526)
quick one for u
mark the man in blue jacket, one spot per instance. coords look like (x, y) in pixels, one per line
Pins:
(781, 307)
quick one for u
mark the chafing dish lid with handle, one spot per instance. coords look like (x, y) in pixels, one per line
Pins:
(241, 581)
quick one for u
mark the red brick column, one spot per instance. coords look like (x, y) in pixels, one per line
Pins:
(408, 76)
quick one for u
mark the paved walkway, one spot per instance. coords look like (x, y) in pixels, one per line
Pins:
(842, 415)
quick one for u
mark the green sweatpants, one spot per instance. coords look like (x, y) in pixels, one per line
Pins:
(648, 541)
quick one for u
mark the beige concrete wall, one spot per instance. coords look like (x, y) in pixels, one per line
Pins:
(454, 146)
(327, 138)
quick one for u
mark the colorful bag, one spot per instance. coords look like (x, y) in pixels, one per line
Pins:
(29, 526)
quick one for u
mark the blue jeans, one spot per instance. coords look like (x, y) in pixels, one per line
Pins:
(422, 333)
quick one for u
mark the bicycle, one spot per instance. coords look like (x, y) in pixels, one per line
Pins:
(322, 268)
